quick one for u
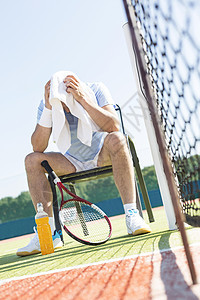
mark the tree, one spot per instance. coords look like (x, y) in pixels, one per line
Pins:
(94, 191)
(150, 178)
(16, 208)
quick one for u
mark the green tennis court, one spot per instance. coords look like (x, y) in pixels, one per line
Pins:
(74, 255)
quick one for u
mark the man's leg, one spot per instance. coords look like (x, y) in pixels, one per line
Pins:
(38, 183)
(115, 151)
(40, 191)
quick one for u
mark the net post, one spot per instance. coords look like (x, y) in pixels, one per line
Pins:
(162, 181)
(166, 163)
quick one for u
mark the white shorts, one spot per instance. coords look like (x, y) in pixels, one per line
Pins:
(83, 165)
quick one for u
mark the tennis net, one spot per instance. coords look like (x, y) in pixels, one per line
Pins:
(169, 35)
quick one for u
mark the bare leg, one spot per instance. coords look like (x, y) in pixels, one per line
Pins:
(115, 152)
(39, 186)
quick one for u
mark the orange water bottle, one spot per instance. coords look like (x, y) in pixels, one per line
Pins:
(44, 230)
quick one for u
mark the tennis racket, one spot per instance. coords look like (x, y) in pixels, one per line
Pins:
(82, 220)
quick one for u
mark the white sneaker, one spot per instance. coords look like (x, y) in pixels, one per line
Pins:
(135, 223)
(34, 246)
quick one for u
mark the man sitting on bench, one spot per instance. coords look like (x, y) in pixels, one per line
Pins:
(108, 147)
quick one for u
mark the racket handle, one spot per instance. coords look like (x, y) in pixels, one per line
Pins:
(50, 171)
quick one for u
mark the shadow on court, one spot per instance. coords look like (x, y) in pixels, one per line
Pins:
(171, 275)
(74, 253)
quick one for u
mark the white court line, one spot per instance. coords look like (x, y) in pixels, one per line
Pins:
(94, 264)
(10, 250)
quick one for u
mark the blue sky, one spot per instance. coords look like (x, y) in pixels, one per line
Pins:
(39, 38)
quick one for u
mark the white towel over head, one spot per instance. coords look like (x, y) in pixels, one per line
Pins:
(60, 128)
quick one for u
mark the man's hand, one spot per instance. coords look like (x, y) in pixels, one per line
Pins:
(105, 117)
(74, 87)
(46, 94)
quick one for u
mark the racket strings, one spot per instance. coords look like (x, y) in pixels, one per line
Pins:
(85, 222)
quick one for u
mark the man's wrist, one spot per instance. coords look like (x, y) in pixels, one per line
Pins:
(48, 105)
(46, 118)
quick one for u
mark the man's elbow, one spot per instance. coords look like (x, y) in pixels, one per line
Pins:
(114, 127)
(37, 147)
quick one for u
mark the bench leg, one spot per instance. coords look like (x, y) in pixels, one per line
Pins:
(138, 201)
(56, 210)
(141, 180)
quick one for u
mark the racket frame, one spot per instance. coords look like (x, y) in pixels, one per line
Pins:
(77, 199)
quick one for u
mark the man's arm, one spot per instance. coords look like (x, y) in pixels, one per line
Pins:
(105, 117)
(41, 135)
(40, 138)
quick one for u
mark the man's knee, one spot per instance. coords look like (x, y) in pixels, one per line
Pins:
(32, 160)
(115, 142)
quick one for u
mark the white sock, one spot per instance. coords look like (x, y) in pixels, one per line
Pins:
(129, 206)
(52, 225)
